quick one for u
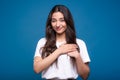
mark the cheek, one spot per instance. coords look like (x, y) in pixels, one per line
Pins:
(53, 25)
(65, 26)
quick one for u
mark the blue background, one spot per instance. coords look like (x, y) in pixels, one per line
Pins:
(22, 24)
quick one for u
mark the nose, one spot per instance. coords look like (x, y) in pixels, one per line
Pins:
(57, 23)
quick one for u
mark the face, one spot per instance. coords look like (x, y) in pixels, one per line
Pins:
(58, 23)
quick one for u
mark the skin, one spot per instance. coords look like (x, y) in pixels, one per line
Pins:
(59, 25)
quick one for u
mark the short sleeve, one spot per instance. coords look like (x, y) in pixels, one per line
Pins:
(83, 51)
(39, 46)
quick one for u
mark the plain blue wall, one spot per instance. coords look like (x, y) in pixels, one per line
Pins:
(22, 24)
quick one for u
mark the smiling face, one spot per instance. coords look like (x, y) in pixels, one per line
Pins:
(58, 23)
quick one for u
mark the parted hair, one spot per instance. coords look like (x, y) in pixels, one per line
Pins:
(50, 34)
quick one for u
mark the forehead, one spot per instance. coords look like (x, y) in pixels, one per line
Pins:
(57, 15)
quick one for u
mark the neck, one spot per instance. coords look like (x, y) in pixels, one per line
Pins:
(60, 37)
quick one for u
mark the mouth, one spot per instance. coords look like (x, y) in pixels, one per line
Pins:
(58, 28)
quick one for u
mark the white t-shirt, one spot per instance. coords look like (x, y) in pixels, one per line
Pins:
(65, 69)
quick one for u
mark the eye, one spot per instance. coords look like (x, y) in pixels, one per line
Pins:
(62, 20)
(53, 20)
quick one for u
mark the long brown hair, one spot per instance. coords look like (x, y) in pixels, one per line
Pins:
(50, 45)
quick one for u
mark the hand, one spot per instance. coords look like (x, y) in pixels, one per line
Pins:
(74, 54)
(66, 48)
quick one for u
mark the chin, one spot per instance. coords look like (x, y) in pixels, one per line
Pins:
(60, 33)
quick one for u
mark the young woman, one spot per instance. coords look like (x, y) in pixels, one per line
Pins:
(60, 55)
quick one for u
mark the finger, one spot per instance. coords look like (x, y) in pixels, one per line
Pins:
(72, 49)
(74, 45)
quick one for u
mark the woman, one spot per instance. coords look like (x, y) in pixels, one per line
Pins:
(60, 55)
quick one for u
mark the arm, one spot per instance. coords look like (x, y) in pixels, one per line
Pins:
(41, 64)
(82, 68)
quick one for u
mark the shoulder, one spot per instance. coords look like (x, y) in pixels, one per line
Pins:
(79, 41)
(41, 41)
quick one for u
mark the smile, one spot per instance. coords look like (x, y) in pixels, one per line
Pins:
(58, 28)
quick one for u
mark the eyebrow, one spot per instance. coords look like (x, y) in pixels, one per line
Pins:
(59, 18)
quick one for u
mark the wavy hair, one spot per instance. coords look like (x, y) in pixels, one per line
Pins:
(50, 35)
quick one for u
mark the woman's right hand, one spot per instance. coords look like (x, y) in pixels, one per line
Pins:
(65, 48)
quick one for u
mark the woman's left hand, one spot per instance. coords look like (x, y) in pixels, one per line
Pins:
(74, 54)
